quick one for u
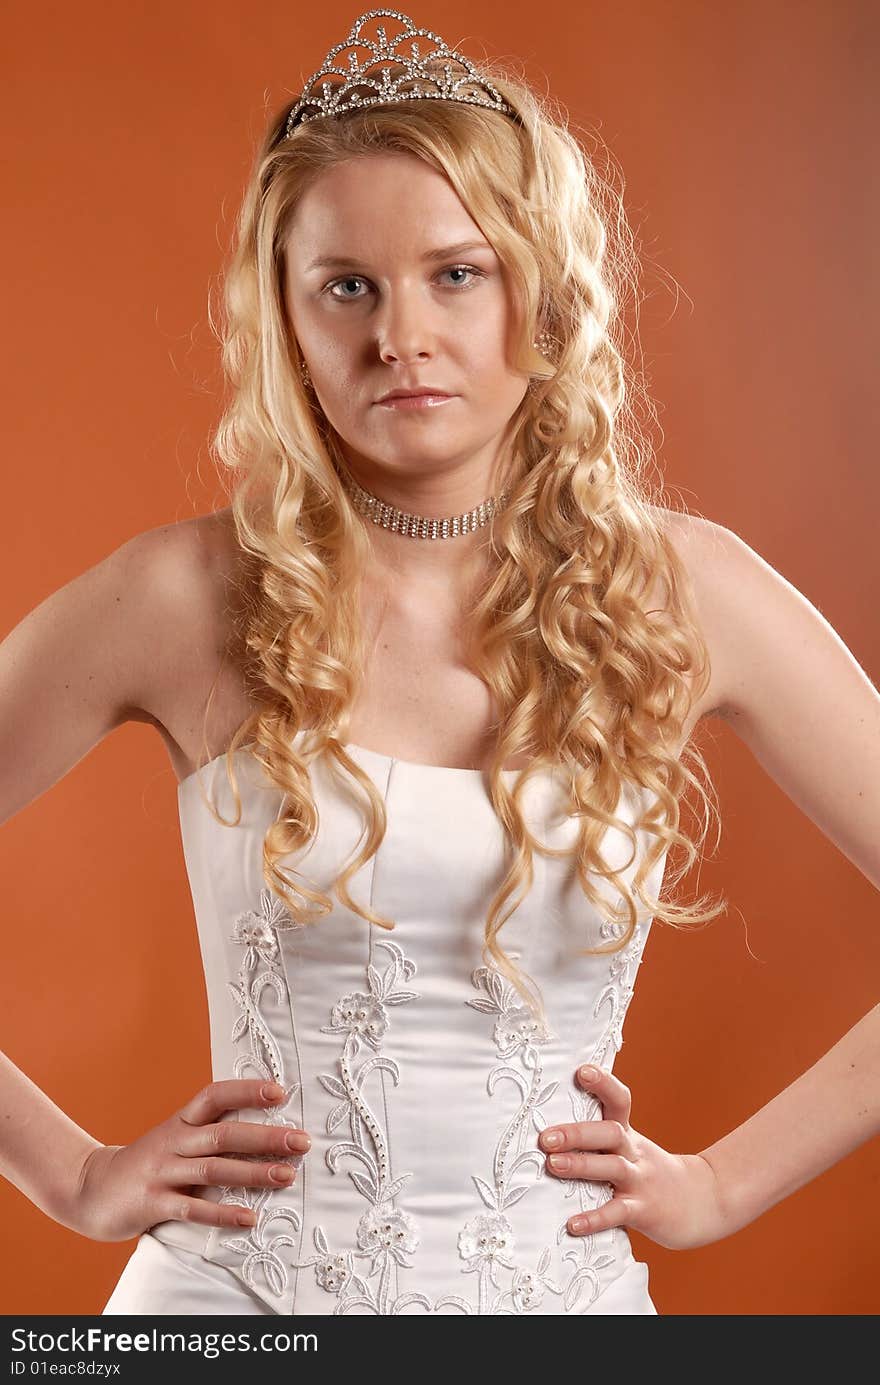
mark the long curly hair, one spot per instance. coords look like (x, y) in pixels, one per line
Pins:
(584, 670)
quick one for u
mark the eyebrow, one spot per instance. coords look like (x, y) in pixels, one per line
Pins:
(343, 261)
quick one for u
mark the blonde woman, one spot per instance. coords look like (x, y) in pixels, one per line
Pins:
(429, 685)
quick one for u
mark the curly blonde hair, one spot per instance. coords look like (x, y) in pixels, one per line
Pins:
(583, 673)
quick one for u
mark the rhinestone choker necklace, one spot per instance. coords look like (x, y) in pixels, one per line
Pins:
(420, 526)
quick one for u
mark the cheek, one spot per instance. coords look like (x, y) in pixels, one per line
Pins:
(489, 373)
(488, 344)
(335, 369)
(322, 341)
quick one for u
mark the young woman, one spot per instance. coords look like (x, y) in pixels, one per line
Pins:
(429, 686)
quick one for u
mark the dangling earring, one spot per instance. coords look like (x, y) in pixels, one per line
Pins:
(545, 345)
(304, 374)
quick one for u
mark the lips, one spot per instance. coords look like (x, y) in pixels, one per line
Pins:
(413, 394)
(414, 403)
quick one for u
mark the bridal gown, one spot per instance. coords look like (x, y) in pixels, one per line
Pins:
(421, 1078)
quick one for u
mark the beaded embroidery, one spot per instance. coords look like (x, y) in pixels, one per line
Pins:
(257, 931)
(487, 1242)
(385, 1234)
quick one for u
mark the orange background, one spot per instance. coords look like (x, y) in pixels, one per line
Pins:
(747, 139)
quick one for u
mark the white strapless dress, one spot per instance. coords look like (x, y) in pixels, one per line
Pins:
(415, 1069)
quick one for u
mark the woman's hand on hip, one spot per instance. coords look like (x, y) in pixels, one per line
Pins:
(124, 1190)
(673, 1199)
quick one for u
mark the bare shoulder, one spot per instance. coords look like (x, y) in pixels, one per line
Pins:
(172, 581)
(708, 554)
(689, 532)
(192, 563)
(193, 580)
(140, 635)
(747, 610)
(175, 557)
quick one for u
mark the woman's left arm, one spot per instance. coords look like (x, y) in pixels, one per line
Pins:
(825, 1113)
(795, 694)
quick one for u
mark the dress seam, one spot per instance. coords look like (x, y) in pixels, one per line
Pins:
(388, 777)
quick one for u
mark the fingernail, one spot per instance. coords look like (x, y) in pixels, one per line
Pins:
(271, 1091)
(559, 1161)
(281, 1173)
(588, 1074)
(293, 1142)
(552, 1138)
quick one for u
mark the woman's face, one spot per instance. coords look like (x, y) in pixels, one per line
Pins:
(384, 310)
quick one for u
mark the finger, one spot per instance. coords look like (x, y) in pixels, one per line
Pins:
(204, 1213)
(240, 1137)
(213, 1172)
(615, 1096)
(232, 1095)
(618, 1211)
(594, 1168)
(606, 1136)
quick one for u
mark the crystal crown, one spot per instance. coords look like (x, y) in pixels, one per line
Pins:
(441, 73)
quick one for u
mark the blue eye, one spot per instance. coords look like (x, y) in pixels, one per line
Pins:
(463, 269)
(351, 279)
(357, 279)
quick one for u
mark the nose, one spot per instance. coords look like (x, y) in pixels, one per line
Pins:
(404, 331)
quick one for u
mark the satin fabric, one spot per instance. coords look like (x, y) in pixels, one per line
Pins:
(162, 1279)
(417, 1071)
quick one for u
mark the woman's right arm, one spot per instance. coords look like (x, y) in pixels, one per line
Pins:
(71, 671)
(98, 652)
(42, 1150)
(109, 647)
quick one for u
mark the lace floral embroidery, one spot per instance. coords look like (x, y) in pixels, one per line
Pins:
(487, 1243)
(257, 931)
(385, 1234)
(364, 1276)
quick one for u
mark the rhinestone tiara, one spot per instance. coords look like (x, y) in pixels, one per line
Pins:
(335, 87)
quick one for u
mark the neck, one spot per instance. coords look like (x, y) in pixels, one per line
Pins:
(451, 560)
(432, 568)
